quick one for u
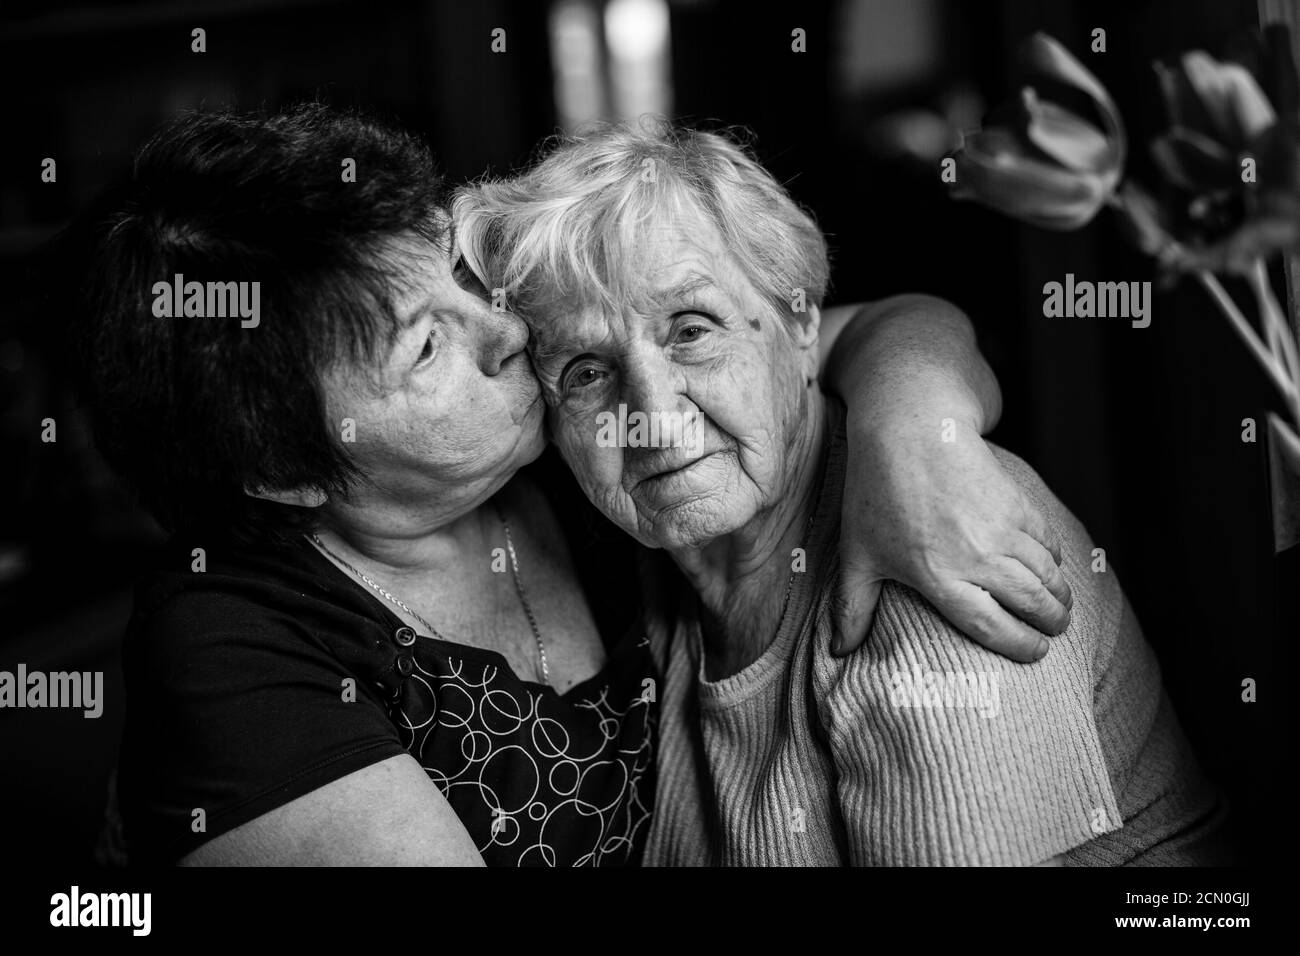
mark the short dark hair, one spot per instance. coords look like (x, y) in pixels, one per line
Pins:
(194, 411)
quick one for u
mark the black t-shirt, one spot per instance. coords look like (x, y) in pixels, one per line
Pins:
(272, 673)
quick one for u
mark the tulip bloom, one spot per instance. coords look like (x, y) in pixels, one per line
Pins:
(1040, 162)
(1236, 153)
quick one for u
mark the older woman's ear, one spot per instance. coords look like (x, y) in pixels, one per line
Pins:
(305, 497)
(806, 327)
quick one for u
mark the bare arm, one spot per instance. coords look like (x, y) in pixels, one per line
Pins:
(387, 814)
(894, 340)
(925, 501)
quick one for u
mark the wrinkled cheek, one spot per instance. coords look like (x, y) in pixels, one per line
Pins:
(738, 399)
(470, 434)
(595, 468)
(496, 409)
(478, 436)
(599, 472)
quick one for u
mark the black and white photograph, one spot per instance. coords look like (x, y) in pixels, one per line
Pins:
(649, 434)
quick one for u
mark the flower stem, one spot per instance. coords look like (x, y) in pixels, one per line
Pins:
(1272, 313)
(1280, 339)
(1247, 335)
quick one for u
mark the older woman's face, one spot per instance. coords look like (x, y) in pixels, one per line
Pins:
(454, 408)
(696, 341)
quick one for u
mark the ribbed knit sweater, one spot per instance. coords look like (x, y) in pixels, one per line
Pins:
(923, 748)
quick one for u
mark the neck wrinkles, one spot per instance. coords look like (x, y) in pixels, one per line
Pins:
(742, 578)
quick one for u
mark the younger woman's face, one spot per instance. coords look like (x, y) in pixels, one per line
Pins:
(453, 409)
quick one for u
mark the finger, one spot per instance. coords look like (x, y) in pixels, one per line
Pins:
(977, 614)
(1022, 593)
(1035, 525)
(854, 607)
(1036, 558)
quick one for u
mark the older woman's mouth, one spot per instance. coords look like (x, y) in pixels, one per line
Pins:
(669, 476)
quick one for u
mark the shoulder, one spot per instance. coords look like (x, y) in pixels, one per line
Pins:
(909, 630)
(235, 609)
(1000, 762)
(1035, 489)
(994, 762)
(244, 691)
(245, 643)
(1099, 608)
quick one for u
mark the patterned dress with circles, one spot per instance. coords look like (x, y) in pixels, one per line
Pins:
(538, 778)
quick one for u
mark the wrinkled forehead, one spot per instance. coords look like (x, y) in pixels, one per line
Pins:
(670, 265)
(673, 259)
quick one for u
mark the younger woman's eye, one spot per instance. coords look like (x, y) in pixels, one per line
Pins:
(427, 352)
(464, 277)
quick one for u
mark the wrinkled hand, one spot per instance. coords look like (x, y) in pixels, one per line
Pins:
(946, 520)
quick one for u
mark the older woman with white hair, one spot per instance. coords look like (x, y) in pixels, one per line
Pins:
(665, 272)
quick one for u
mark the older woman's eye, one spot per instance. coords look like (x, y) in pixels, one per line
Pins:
(691, 330)
(583, 376)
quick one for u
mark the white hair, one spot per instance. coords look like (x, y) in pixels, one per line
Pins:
(566, 228)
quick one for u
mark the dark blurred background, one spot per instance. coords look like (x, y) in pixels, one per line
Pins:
(1137, 430)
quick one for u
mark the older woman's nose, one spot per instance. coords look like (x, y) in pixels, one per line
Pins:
(652, 384)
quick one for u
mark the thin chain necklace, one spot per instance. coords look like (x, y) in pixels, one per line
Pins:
(544, 668)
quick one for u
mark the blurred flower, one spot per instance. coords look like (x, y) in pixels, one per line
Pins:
(1232, 152)
(1144, 221)
(1037, 160)
(923, 136)
(1217, 110)
(915, 134)
(1234, 144)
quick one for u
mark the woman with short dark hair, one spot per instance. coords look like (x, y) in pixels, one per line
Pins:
(375, 639)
